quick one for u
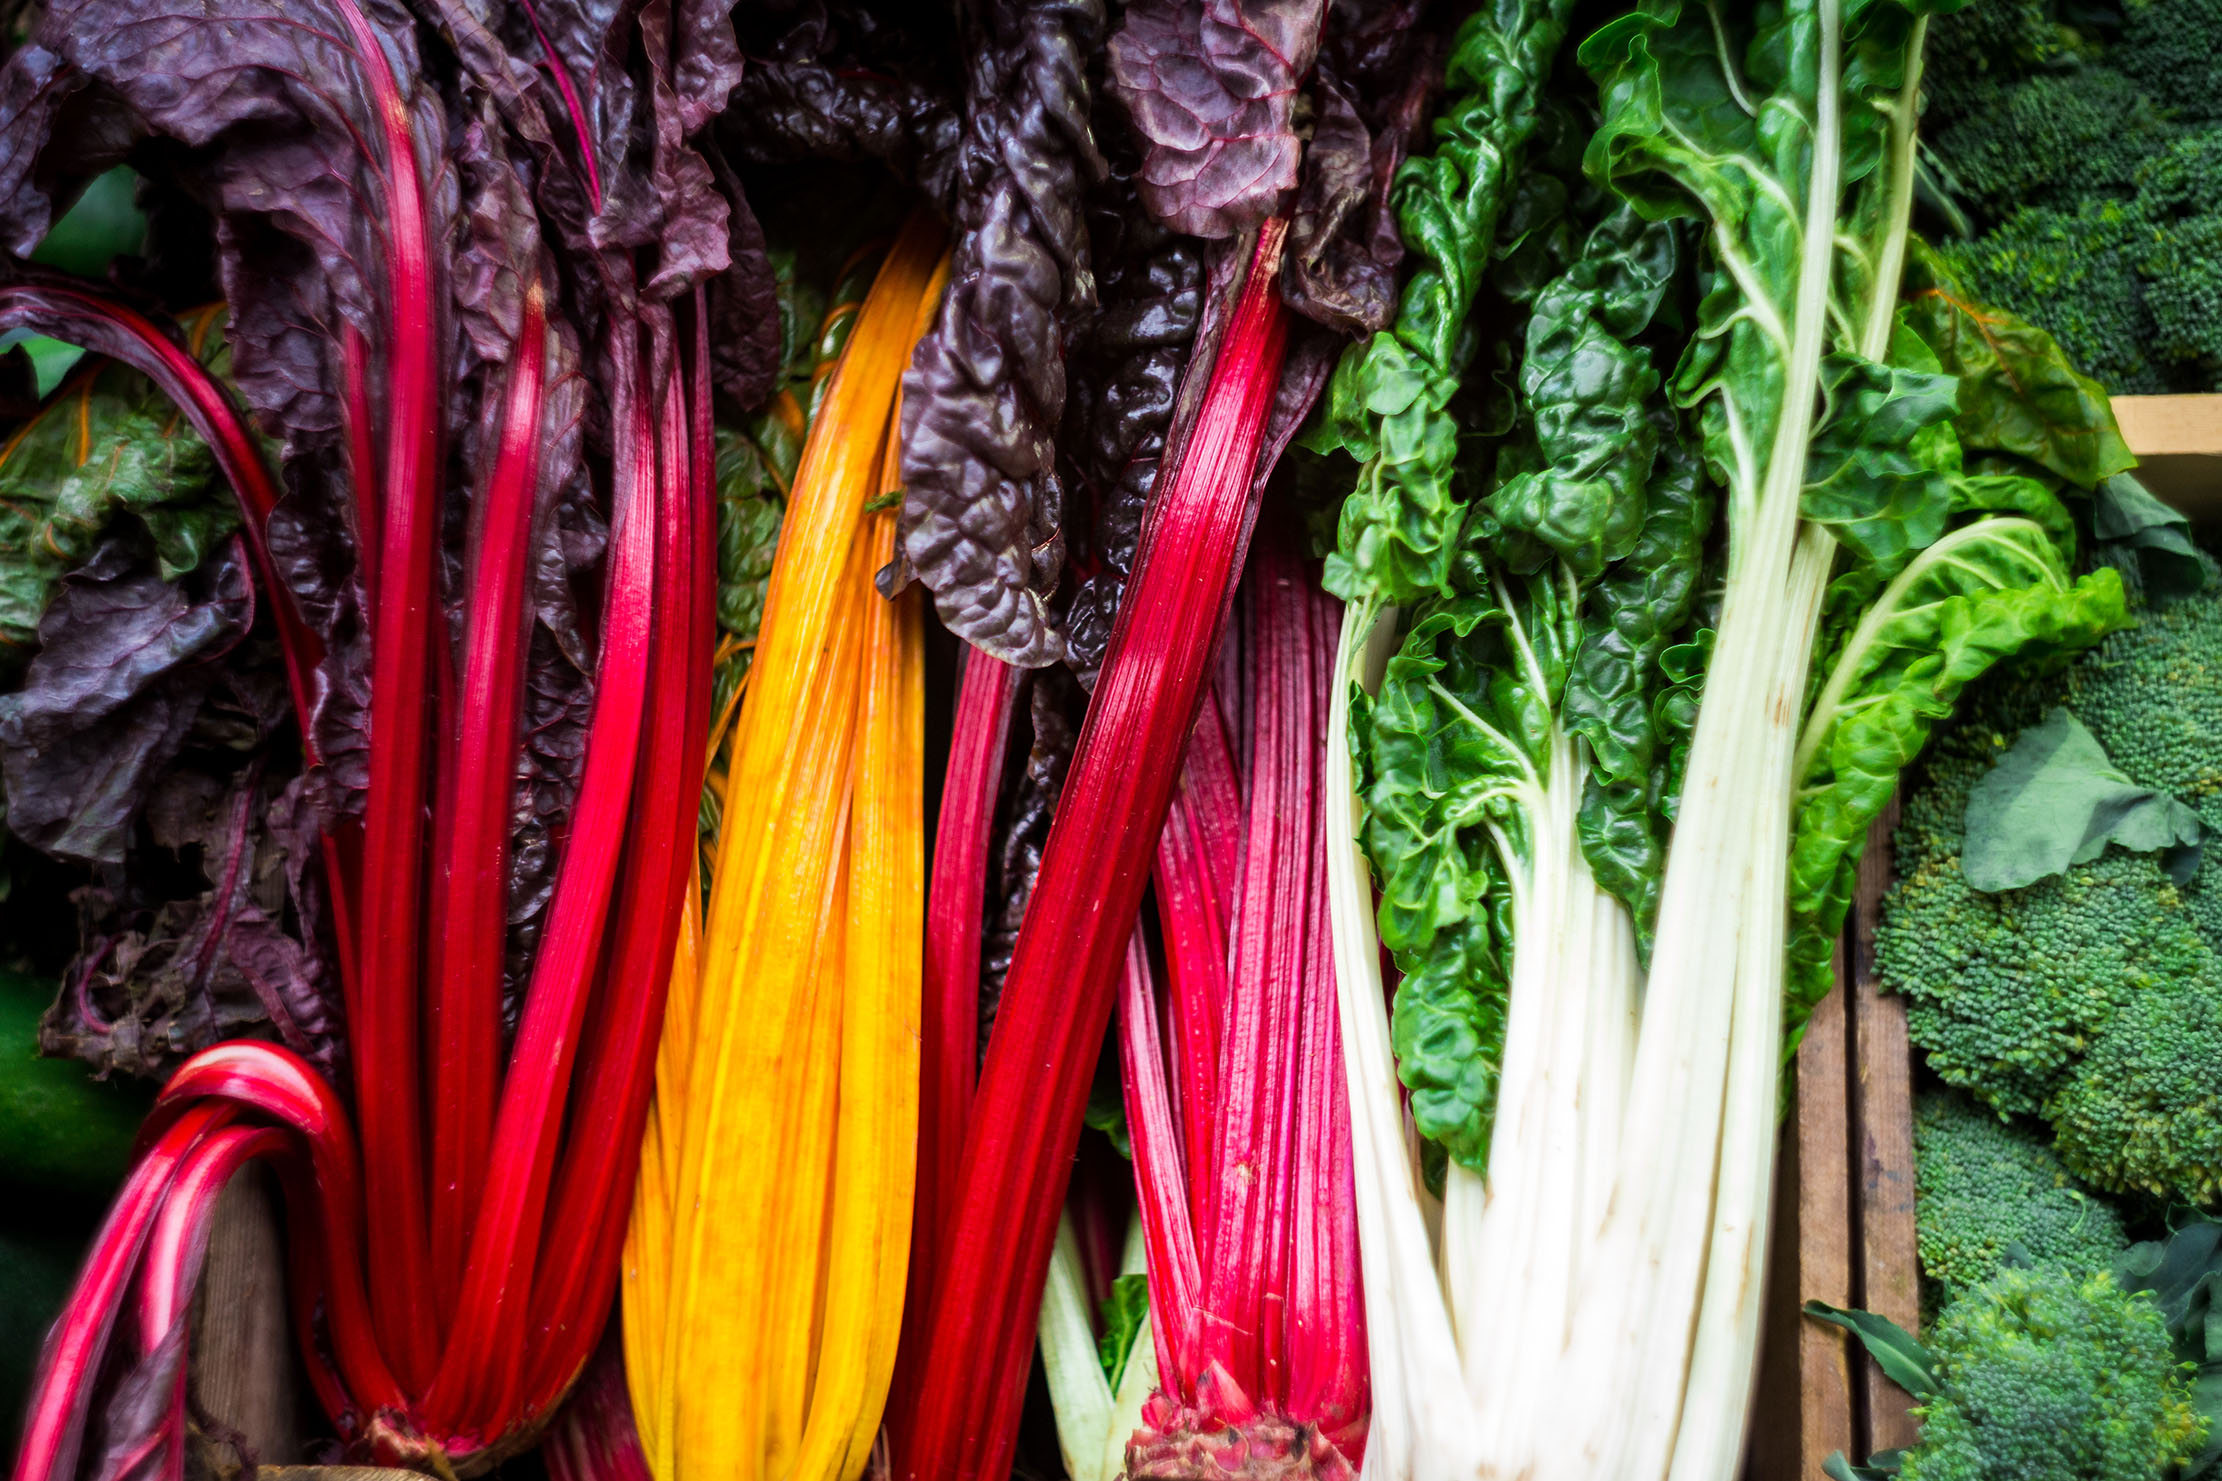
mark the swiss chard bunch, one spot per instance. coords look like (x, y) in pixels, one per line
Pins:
(1585, 746)
(1244, 1178)
(471, 264)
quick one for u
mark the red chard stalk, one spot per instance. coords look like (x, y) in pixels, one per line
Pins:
(956, 1409)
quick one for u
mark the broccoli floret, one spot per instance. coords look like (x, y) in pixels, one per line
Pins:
(2091, 998)
(2052, 139)
(2173, 48)
(1986, 1186)
(1997, 41)
(2045, 1375)
(2143, 1110)
(2074, 273)
(2152, 695)
(2090, 163)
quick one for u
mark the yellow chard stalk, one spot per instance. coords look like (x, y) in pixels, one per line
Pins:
(767, 1253)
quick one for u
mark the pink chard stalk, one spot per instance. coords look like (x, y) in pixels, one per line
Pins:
(1235, 1093)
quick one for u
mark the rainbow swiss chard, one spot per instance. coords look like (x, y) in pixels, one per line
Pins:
(982, 402)
(439, 668)
(955, 1412)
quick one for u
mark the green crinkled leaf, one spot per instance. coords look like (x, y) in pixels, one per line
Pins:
(107, 444)
(1387, 403)
(2018, 393)
(2054, 799)
(1636, 612)
(2133, 527)
(1587, 384)
(1453, 736)
(749, 512)
(1455, 749)
(1987, 592)
(1447, 1025)
(1123, 1312)
(1864, 477)
(1896, 1351)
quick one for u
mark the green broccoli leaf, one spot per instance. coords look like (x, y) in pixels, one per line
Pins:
(2184, 1275)
(2018, 393)
(2054, 799)
(1896, 1351)
(1124, 1312)
(1883, 1465)
(2131, 525)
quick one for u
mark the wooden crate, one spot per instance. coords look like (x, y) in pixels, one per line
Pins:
(1843, 1221)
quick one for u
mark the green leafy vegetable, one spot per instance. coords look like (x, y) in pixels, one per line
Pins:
(108, 444)
(2139, 534)
(1388, 404)
(2018, 392)
(1125, 1317)
(1896, 1351)
(2054, 799)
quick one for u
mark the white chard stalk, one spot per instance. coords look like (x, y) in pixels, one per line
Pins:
(1589, 1309)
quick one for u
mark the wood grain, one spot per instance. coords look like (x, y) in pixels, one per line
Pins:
(242, 1366)
(1824, 1261)
(1882, 1108)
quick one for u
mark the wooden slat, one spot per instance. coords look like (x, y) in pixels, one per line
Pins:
(1824, 1205)
(242, 1364)
(2178, 442)
(1889, 1273)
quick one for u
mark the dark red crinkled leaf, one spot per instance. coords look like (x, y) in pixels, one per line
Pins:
(120, 675)
(745, 362)
(842, 81)
(1369, 91)
(1126, 363)
(982, 517)
(1212, 86)
(154, 988)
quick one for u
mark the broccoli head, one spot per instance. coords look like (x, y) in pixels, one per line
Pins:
(2052, 139)
(2169, 47)
(1998, 41)
(2074, 273)
(1987, 1186)
(2152, 695)
(2091, 998)
(2089, 158)
(2046, 1375)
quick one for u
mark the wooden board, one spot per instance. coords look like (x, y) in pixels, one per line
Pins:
(1847, 1171)
(2178, 442)
(242, 1368)
(1881, 1111)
